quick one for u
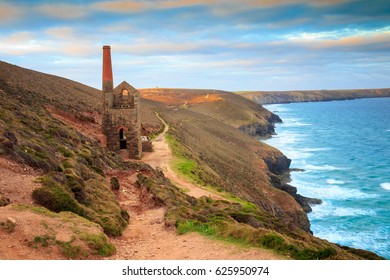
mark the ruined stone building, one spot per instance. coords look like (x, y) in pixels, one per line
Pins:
(121, 122)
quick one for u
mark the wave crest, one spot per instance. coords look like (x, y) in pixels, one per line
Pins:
(385, 186)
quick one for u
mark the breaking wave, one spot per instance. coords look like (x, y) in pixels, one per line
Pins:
(323, 167)
(385, 186)
(335, 182)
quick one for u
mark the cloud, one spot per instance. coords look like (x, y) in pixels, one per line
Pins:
(63, 33)
(121, 6)
(30, 43)
(221, 7)
(9, 13)
(142, 47)
(22, 43)
(80, 49)
(62, 11)
(343, 39)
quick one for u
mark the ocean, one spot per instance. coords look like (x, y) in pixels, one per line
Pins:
(344, 149)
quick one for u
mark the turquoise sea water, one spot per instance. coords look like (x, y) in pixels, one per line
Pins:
(344, 148)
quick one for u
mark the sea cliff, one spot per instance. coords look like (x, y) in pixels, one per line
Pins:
(277, 97)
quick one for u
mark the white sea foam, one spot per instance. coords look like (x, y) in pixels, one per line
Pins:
(327, 210)
(276, 108)
(293, 122)
(287, 123)
(385, 186)
(331, 192)
(315, 149)
(324, 167)
(335, 182)
(359, 239)
(285, 139)
(296, 154)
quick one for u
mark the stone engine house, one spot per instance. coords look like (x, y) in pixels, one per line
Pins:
(121, 122)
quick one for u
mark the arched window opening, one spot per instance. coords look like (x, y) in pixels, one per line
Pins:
(125, 92)
(122, 139)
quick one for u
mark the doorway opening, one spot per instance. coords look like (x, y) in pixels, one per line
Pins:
(122, 140)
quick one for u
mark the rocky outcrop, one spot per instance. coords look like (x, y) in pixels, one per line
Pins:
(258, 129)
(262, 130)
(305, 202)
(273, 119)
(278, 164)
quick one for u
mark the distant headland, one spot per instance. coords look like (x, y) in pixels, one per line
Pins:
(276, 97)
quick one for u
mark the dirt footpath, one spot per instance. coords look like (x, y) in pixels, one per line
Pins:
(147, 238)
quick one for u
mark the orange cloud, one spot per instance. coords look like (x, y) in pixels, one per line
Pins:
(9, 13)
(218, 6)
(64, 33)
(121, 6)
(319, 41)
(64, 11)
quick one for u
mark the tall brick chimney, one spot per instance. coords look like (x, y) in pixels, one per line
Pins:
(108, 84)
(107, 68)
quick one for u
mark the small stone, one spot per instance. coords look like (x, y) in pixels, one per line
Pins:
(4, 201)
(11, 220)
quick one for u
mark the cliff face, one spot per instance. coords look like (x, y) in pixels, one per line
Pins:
(277, 97)
(258, 129)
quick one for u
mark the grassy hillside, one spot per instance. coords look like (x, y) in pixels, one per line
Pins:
(212, 151)
(220, 105)
(73, 164)
(274, 97)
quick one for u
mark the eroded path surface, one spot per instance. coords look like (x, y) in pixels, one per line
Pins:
(147, 238)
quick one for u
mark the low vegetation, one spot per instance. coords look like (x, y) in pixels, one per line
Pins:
(74, 236)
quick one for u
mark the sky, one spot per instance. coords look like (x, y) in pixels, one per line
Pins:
(215, 44)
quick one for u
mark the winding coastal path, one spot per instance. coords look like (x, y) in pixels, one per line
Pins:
(147, 238)
(162, 156)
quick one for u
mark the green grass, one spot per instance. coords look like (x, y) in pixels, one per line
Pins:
(181, 164)
(195, 226)
(246, 236)
(70, 250)
(99, 244)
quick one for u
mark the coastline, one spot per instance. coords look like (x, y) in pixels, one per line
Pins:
(334, 183)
